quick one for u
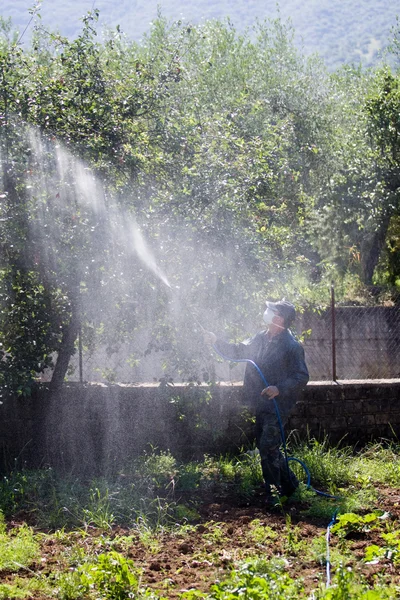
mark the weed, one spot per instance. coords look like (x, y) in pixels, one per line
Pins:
(329, 467)
(98, 512)
(188, 478)
(25, 588)
(292, 543)
(184, 513)
(260, 533)
(250, 473)
(379, 463)
(17, 548)
(158, 468)
(111, 575)
(215, 534)
(258, 579)
(148, 536)
(346, 586)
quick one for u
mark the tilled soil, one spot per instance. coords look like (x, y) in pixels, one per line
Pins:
(172, 563)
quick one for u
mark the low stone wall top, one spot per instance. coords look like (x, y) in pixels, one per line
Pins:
(96, 428)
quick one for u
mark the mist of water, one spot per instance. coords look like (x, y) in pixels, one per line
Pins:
(71, 185)
(79, 232)
(143, 251)
(74, 213)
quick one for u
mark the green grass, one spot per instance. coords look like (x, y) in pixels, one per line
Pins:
(18, 549)
(157, 490)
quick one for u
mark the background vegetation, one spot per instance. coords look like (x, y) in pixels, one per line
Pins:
(250, 170)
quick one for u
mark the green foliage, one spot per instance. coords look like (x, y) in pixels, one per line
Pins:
(258, 579)
(347, 587)
(27, 330)
(112, 575)
(384, 468)
(389, 550)
(98, 512)
(349, 522)
(329, 466)
(98, 566)
(261, 533)
(23, 588)
(17, 549)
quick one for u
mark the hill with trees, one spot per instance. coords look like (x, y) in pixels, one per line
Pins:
(341, 32)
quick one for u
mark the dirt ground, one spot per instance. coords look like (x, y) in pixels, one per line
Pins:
(226, 533)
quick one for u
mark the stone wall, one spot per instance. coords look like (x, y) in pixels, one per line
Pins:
(97, 428)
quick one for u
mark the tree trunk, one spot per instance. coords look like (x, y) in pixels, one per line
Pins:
(371, 250)
(67, 349)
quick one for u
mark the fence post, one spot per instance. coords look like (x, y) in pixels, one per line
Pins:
(80, 351)
(333, 329)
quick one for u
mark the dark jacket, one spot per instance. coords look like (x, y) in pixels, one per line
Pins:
(281, 361)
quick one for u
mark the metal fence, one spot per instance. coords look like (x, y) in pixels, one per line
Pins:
(352, 342)
(340, 342)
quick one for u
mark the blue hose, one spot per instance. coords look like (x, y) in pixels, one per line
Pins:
(287, 458)
(290, 458)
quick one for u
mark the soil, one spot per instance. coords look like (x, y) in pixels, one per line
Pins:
(171, 564)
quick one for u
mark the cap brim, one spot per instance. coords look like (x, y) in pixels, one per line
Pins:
(271, 305)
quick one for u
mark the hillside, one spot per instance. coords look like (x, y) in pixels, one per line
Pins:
(351, 31)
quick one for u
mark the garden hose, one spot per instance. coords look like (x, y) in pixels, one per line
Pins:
(287, 458)
(328, 556)
(290, 458)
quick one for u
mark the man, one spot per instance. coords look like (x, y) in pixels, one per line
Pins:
(280, 357)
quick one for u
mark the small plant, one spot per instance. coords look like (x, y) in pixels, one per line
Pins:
(258, 580)
(260, 533)
(350, 523)
(346, 586)
(189, 477)
(112, 575)
(25, 588)
(215, 534)
(329, 466)
(292, 543)
(148, 537)
(378, 463)
(318, 552)
(249, 472)
(18, 549)
(184, 513)
(390, 551)
(160, 468)
(98, 512)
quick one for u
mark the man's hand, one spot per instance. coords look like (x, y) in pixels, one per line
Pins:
(209, 337)
(271, 391)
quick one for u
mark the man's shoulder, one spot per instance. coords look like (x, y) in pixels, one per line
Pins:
(291, 340)
(258, 337)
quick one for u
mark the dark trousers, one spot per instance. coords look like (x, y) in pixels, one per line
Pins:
(273, 463)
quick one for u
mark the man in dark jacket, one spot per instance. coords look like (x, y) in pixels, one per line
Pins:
(280, 357)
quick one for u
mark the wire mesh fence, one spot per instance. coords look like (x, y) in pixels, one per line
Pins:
(353, 342)
(341, 343)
